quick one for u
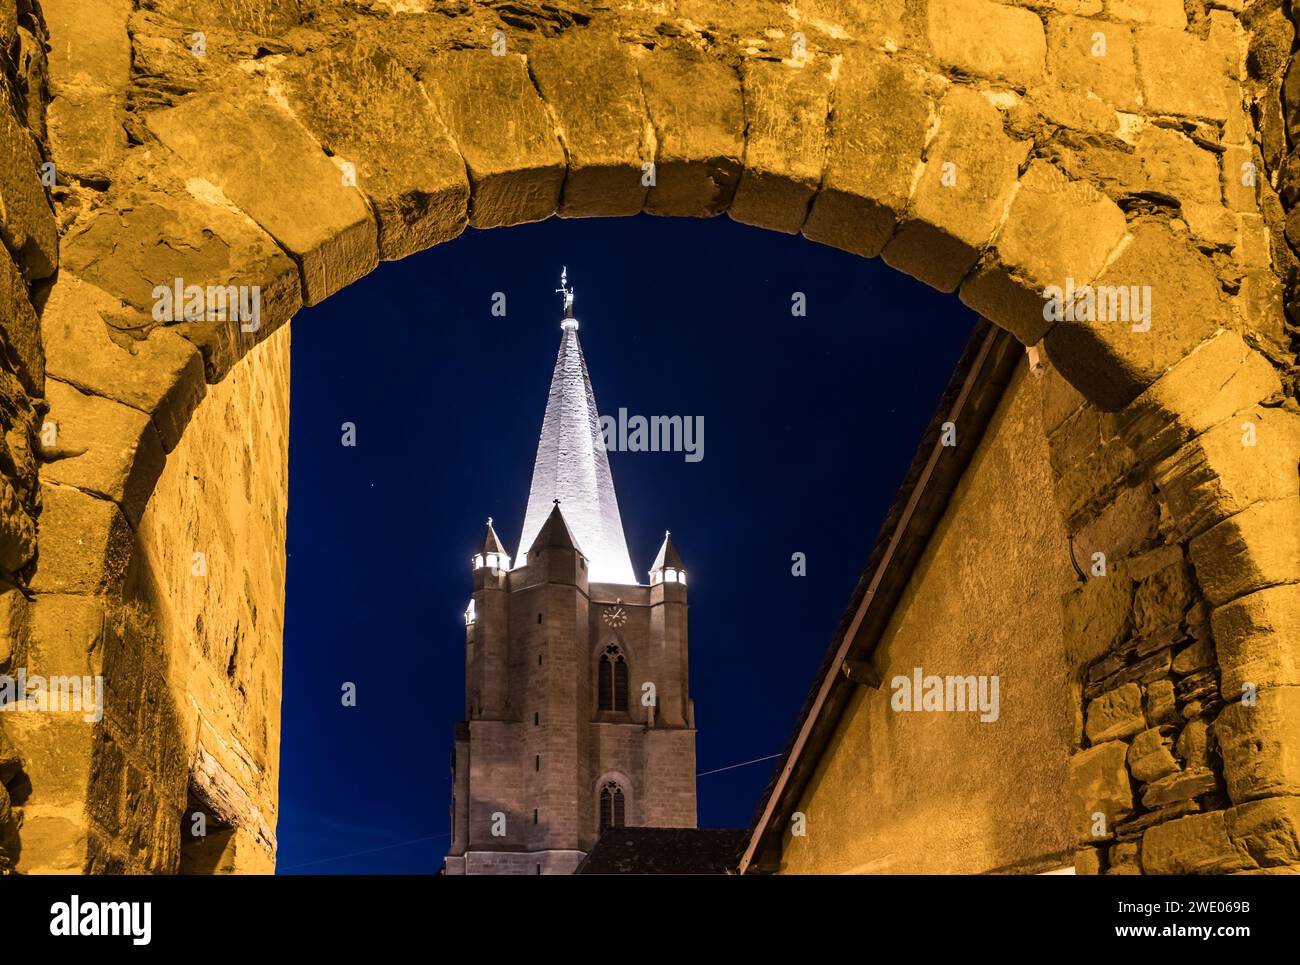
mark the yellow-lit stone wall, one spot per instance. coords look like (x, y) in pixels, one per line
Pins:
(934, 792)
(211, 562)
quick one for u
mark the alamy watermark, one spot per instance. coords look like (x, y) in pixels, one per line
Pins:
(180, 302)
(1098, 303)
(658, 433)
(54, 693)
(950, 694)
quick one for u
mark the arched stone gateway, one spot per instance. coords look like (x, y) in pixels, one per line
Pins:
(279, 149)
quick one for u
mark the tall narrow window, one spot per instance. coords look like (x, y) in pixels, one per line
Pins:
(611, 806)
(612, 683)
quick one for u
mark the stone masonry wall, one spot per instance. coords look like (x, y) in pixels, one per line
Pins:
(28, 258)
(987, 148)
(1148, 678)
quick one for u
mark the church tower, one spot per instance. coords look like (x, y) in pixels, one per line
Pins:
(578, 714)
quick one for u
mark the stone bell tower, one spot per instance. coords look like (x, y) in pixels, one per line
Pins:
(578, 713)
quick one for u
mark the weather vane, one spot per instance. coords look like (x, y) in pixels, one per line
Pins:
(564, 289)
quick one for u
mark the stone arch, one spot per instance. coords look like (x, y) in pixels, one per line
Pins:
(974, 144)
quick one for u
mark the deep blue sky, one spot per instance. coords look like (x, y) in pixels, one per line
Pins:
(810, 424)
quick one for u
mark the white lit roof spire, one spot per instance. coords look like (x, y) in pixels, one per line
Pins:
(573, 467)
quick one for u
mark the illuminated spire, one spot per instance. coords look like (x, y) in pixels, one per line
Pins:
(572, 466)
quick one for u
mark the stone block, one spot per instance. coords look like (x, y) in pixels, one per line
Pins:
(1162, 598)
(89, 71)
(1256, 548)
(1175, 165)
(160, 227)
(1178, 786)
(1178, 406)
(17, 530)
(161, 375)
(244, 143)
(1149, 758)
(990, 39)
(1099, 783)
(1123, 859)
(1113, 361)
(103, 447)
(1260, 744)
(1161, 708)
(1192, 746)
(880, 117)
(1181, 74)
(1258, 640)
(698, 113)
(1096, 616)
(1195, 844)
(261, 18)
(1164, 13)
(1115, 715)
(20, 328)
(27, 225)
(786, 109)
(1246, 459)
(1079, 61)
(1056, 230)
(1198, 656)
(363, 106)
(1059, 398)
(67, 635)
(591, 85)
(1268, 830)
(85, 543)
(503, 131)
(1125, 525)
(970, 172)
(1088, 462)
(1087, 861)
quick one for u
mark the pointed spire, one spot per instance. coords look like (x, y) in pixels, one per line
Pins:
(491, 542)
(491, 553)
(572, 466)
(667, 555)
(555, 533)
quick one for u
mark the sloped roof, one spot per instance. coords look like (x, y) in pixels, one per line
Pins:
(491, 542)
(667, 555)
(572, 466)
(665, 851)
(555, 533)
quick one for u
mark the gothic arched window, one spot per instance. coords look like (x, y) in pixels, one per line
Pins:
(612, 683)
(611, 806)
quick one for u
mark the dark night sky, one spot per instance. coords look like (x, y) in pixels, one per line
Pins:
(809, 423)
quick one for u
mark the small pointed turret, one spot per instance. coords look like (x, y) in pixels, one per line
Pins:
(555, 533)
(667, 567)
(491, 553)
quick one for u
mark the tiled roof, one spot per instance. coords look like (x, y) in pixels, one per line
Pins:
(665, 851)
